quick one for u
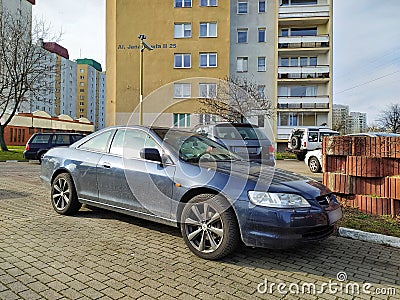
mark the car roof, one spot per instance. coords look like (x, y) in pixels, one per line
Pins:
(61, 133)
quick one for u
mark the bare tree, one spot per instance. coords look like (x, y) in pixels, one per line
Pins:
(236, 99)
(389, 118)
(24, 72)
(373, 127)
(339, 125)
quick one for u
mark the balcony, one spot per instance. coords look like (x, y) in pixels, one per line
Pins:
(304, 11)
(293, 42)
(306, 72)
(304, 102)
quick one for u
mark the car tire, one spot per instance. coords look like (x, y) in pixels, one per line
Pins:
(295, 142)
(314, 165)
(209, 226)
(40, 156)
(63, 195)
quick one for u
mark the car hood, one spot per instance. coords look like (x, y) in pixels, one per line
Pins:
(264, 177)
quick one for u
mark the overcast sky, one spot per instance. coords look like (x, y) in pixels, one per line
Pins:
(366, 46)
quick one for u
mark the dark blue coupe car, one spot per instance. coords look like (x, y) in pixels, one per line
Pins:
(184, 179)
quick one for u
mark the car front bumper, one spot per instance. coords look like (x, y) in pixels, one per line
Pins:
(284, 228)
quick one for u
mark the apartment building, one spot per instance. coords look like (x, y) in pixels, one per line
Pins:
(91, 89)
(283, 46)
(340, 120)
(357, 122)
(60, 95)
(21, 6)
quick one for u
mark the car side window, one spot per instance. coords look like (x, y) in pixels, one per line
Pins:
(98, 143)
(313, 136)
(41, 139)
(61, 139)
(129, 142)
(75, 138)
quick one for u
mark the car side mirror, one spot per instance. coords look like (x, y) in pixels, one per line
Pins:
(151, 154)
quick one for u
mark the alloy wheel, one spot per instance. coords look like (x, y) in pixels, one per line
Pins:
(61, 194)
(204, 227)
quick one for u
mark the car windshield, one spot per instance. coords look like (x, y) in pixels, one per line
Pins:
(193, 147)
(230, 132)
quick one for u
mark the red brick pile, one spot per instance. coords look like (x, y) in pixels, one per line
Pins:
(364, 172)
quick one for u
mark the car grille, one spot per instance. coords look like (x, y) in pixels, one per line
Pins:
(319, 232)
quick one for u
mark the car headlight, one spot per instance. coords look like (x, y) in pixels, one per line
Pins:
(278, 200)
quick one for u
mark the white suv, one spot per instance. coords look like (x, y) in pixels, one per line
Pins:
(304, 139)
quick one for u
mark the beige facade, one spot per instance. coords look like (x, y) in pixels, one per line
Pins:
(125, 21)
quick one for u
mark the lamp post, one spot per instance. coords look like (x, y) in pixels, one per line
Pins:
(143, 46)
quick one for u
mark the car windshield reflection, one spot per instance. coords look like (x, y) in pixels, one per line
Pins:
(192, 147)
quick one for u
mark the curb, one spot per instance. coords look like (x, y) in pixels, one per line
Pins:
(18, 161)
(375, 238)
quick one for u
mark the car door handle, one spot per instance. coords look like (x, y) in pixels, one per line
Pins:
(106, 165)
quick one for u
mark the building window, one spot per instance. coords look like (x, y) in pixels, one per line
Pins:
(182, 90)
(82, 77)
(242, 36)
(81, 103)
(260, 91)
(261, 7)
(208, 90)
(299, 2)
(82, 90)
(298, 61)
(261, 64)
(243, 7)
(208, 60)
(242, 64)
(183, 30)
(82, 84)
(183, 3)
(82, 70)
(313, 31)
(208, 2)
(81, 110)
(181, 120)
(208, 29)
(182, 60)
(261, 35)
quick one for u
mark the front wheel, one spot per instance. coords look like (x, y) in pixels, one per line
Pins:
(209, 226)
(314, 165)
(63, 195)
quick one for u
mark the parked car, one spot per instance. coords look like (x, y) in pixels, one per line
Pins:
(246, 140)
(313, 160)
(302, 140)
(187, 180)
(40, 143)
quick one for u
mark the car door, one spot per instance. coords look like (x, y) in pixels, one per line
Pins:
(85, 162)
(127, 181)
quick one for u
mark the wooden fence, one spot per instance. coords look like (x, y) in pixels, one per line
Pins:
(364, 172)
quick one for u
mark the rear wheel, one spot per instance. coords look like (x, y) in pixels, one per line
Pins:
(40, 156)
(314, 165)
(209, 226)
(63, 195)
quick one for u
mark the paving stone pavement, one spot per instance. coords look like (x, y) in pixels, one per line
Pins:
(103, 255)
